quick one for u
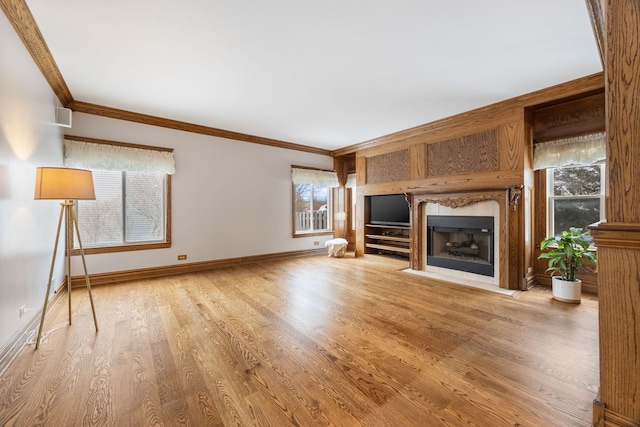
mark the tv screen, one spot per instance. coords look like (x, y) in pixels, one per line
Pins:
(389, 209)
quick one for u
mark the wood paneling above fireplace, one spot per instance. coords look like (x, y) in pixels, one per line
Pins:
(472, 153)
(388, 167)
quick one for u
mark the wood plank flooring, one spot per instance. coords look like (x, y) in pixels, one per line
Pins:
(308, 342)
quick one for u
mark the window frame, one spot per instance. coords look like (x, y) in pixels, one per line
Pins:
(126, 247)
(298, 234)
(551, 198)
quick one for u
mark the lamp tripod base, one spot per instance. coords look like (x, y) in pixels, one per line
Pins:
(71, 223)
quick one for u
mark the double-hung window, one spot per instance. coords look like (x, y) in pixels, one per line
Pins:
(575, 174)
(132, 186)
(575, 197)
(312, 200)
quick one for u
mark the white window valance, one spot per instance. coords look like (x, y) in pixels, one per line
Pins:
(351, 181)
(314, 176)
(94, 156)
(576, 151)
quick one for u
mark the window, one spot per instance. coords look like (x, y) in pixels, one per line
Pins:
(132, 185)
(129, 209)
(575, 197)
(312, 200)
(311, 208)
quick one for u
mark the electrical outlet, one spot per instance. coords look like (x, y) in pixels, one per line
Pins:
(182, 257)
(22, 310)
(316, 243)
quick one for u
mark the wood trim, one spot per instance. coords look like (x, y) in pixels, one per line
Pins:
(27, 29)
(612, 419)
(310, 168)
(144, 273)
(616, 235)
(123, 248)
(478, 181)
(586, 127)
(568, 119)
(116, 143)
(594, 82)
(130, 116)
(596, 15)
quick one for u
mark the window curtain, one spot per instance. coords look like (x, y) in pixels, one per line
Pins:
(577, 151)
(314, 176)
(89, 155)
(351, 181)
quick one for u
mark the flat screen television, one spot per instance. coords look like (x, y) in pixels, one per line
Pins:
(389, 209)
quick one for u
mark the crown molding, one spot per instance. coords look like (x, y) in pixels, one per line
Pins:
(115, 113)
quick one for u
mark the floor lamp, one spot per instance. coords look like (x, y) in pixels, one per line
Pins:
(69, 185)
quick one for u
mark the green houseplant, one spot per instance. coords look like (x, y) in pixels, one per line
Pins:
(566, 253)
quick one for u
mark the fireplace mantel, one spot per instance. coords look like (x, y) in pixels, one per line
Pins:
(511, 245)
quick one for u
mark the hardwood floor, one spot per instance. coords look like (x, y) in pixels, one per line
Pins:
(308, 342)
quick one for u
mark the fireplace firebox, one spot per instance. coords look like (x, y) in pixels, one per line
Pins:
(463, 243)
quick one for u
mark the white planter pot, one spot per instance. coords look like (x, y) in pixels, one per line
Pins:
(567, 291)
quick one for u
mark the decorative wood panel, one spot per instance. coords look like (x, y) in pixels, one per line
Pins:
(574, 118)
(472, 153)
(511, 137)
(388, 167)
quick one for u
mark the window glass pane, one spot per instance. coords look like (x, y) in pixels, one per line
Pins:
(302, 206)
(583, 180)
(320, 207)
(100, 220)
(144, 195)
(575, 213)
(311, 207)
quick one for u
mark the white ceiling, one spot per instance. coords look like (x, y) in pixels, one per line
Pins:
(326, 74)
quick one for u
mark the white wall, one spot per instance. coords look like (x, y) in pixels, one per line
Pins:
(28, 138)
(229, 198)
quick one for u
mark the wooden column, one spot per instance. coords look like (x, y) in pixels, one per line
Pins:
(618, 239)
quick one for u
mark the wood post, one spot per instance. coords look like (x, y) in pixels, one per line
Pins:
(618, 239)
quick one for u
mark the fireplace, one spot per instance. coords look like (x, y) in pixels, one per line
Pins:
(463, 243)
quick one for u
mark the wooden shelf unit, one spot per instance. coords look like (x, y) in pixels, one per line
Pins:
(394, 239)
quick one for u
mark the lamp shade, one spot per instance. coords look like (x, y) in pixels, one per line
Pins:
(64, 184)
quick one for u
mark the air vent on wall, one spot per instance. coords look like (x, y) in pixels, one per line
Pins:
(63, 117)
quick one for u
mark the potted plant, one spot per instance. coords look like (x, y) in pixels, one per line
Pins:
(565, 254)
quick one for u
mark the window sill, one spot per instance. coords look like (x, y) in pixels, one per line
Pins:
(591, 248)
(121, 248)
(313, 233)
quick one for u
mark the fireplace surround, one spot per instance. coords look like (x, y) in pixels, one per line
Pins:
(508, 232)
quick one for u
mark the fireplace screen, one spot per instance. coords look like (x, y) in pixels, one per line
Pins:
(463, 243)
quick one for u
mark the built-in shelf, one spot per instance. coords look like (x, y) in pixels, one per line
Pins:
(388, 239)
